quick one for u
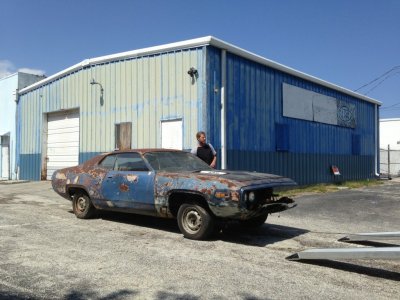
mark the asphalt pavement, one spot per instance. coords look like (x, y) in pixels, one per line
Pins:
(47, 253)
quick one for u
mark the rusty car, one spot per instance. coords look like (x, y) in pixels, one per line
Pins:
(171, 184)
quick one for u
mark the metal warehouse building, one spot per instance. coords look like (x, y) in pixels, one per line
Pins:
(9, 85)
(259, 115)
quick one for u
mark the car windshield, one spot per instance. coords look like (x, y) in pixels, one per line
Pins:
(176, 162)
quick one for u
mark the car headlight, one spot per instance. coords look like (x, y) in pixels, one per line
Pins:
(252, 196)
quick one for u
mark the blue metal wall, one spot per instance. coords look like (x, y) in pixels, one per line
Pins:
(214, 99)
(260, 138)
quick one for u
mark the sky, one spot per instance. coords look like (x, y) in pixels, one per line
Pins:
(350, 43)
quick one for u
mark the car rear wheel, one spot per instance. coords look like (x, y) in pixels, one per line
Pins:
(195, 222)
(254, 222)
(82, 206)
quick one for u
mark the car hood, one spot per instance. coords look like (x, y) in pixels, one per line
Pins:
(237, 179)
(250, 178)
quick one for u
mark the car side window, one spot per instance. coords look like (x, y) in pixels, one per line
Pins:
(108, 162)
(130, 162)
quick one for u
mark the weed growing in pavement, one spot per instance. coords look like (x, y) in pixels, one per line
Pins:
(331, 187)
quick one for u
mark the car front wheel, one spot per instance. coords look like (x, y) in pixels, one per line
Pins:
(195, 222)
(82, 206)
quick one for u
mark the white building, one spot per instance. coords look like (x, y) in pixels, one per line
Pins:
(389, 138)
(9, 86)
(389, 134)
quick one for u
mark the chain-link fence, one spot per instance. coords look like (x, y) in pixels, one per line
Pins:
(390, 162)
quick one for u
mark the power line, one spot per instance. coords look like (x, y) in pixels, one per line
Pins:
(391, 107)
(378, 84)
(385, 76)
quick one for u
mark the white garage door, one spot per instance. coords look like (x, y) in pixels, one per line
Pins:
(62, 141)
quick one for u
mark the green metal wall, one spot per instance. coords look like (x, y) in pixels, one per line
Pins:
(142, 90)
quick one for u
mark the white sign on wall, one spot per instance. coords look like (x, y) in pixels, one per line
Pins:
(297, 103)
(307, 105)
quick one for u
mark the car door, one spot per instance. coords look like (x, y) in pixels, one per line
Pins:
(130, 184)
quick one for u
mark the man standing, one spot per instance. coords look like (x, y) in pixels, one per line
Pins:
(205, 151)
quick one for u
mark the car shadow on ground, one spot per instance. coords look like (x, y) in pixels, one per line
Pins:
(164, 224)
(231, 232)
(267, 234)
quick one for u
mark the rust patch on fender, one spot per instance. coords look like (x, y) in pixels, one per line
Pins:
(124, 187)
(235, 196)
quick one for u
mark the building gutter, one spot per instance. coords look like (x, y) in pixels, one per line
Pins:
(223, 110)
(377, 141)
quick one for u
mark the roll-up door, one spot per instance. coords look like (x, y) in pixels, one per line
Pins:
(62, 141)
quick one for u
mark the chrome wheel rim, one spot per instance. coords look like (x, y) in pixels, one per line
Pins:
(81, 204)
(192, 221)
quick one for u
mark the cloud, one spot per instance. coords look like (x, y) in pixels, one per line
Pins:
(8, 68)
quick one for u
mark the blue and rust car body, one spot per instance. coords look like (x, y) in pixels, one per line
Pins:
(146, 190)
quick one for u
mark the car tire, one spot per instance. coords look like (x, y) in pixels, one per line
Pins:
(195, 222)
(254, 222)
(82, 206)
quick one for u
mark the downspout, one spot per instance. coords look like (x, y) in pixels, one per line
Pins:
(17, 129)
(376, 141)
(223, 110)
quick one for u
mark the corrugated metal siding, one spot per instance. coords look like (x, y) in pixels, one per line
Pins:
(214, 99)
(145, 90)
(255, 105)
(142, 90)
(254, 97)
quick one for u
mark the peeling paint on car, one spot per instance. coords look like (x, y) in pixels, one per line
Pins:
(132, 178)
(60, 176)
(150, 192)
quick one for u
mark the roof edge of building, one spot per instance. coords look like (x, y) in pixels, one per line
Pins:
(270, 63)
(198, 42)
(389, 120)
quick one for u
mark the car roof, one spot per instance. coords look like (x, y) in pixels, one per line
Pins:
(142, 151)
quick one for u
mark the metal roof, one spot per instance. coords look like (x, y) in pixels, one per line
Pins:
(390, 120)
(203, 41)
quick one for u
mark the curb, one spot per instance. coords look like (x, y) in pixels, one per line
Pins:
(13, 181)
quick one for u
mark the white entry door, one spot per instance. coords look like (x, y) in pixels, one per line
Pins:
(171, 134)
(5, 163)
(62, 141)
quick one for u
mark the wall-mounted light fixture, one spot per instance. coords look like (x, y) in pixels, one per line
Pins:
(101, 91)
(193, 73)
